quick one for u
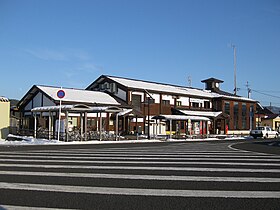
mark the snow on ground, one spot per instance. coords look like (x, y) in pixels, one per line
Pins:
(28, 140)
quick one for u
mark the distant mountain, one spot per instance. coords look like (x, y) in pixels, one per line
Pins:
(13, 102)
(273, 109)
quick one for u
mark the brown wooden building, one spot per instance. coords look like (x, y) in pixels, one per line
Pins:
(205, 111)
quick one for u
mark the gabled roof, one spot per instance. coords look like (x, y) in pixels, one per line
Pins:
(160, 87)
(212, 79)
(168, 88)
(71, 95)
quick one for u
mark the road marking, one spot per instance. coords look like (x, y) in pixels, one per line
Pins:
(138, 158)
(25, 208)
(140, 192)
(140, 162)
(234, 170)
(144, 177)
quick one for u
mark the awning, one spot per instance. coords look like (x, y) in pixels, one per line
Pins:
(180, 117)
(199, 113)
(78, 108)
(125, 112)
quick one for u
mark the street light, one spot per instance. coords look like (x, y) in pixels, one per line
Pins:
(149, 101)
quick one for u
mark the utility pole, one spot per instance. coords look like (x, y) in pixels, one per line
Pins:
(234, 60)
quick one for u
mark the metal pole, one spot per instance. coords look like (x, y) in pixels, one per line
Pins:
(100, 125)
(149, 137)
(50, 123)
(170, 128)
(85, 126)
(66, 126)
(117, 126)
(35, 126)
(59, 115)
(234, 55)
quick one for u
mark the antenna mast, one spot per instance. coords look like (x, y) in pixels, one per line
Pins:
(234, 60)
(189, 81)
(248, 89)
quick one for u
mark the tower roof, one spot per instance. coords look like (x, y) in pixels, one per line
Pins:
(212, 79)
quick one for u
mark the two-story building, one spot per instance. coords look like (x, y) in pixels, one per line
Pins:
(118, 105)
(177, 109)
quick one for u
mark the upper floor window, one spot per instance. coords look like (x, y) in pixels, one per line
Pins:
(195, 104)
(178, 103)
(150, 100)
(136, 101)
(165, 102)
(207, 104)
(227, 107)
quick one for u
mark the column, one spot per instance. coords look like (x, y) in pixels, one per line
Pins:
(66, 125)
(85, 126)
(35, 125)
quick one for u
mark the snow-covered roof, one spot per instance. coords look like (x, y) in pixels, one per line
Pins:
(77, 107)
(79, 96)
(159, 87)
(125, 111)
(3, 99)
(181, 117)
(200, 113)
(152, 86)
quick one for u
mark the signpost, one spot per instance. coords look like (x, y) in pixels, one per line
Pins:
(60, 94)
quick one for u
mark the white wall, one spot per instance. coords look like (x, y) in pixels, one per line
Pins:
(185, 101)
(121, 94)
(169, 98)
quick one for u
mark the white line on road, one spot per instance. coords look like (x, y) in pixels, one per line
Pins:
(140, 157)
(140, 162)
(140, 192)
(233, 170)
(144, 177)
(50, 155)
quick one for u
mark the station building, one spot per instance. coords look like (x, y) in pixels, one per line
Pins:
(124, 106)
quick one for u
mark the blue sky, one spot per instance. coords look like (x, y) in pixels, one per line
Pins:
(70, 43)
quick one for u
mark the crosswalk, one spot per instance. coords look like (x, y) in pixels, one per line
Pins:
(179, 175)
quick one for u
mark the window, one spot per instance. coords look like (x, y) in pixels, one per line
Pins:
(227, 108)
(207, 104)
(235, 115)
(195, 104)
(150, 100)
(244, 116)
(165, 102)
(178, 103)
(136, 101)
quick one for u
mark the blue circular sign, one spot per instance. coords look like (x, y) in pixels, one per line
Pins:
(60, 94)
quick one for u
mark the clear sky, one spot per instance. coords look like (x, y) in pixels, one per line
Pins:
(70, 43)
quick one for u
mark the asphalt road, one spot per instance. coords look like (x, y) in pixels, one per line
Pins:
(191, 175)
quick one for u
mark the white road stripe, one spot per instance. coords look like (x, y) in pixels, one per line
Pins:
(234, 170)
(145, 177)
(140, 192)
(142, 157)
(25, 208)
(140, 162)
(136, 153)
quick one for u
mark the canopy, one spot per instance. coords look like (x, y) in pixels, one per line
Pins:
(181, 117)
